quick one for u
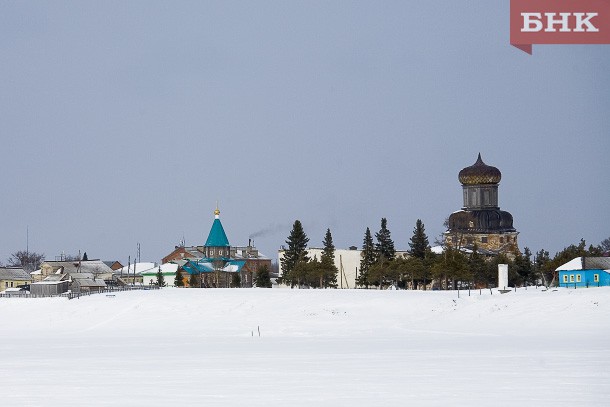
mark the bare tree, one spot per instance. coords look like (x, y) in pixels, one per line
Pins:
(29, 261)
(605, 245)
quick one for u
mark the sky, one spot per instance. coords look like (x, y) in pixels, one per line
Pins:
(126, 122)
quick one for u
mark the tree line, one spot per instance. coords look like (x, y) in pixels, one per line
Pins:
(380, 267)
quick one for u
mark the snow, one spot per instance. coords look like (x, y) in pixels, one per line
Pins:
(139, 267)
(187, 347)
(574, 264)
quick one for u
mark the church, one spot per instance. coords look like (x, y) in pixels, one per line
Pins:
(217, 263)
(480, 221)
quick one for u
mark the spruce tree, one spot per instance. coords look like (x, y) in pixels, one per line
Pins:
(367, 259)
(235, 280)
(295, 252)
(160, 278)
(193, 280)
(328, 262)
(419, 241)
(178, 281)
(384, 247)
(85, 258)
(263, 279)
(478, 267)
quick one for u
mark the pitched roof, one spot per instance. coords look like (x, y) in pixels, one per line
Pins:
(84, 266)
(217, 236)
(586, 263)
(9, 273)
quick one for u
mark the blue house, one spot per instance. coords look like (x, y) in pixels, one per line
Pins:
(585, 272)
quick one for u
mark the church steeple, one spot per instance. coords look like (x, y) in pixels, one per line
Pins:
(217, 245)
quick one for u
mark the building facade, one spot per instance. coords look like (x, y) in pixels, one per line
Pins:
(480, 222)
(13, 277)
(347, 262)
(585, 272)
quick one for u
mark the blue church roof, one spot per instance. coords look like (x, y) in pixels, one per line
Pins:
(207, 266)
(217, 236)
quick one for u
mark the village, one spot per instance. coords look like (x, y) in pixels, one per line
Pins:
(480, 234)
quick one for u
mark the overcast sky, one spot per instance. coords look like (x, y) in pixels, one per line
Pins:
(125, 121)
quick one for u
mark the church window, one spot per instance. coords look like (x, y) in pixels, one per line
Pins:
(565, 278)
(596, 278)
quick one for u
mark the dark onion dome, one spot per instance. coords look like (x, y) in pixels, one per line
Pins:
(480, 173)
(481, 221)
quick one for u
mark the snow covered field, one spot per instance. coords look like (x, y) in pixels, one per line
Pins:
(187, 347)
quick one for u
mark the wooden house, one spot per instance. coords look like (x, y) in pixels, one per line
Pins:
(585, 272)
(13, 277)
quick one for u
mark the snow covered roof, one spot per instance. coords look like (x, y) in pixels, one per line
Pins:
(167, 268)
(586, 263)
(206, 266)
(437, 249)
(140, 268)
(90, 266)
(14, 273)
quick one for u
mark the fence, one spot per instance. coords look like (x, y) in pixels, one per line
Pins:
(71, 295)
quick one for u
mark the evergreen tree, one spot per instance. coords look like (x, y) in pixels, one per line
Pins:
(160, 278)
(263, 279)
(235, 280)
(384, 247)
(541, 259)
(451, 268)
(367, 259)
(193, 280)
(85, 258)
(523, 267)
(295, 252)
(419, 241)
(327, 261)
(178, 281)
(478, 268)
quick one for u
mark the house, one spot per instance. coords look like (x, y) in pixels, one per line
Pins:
(184, 253)
(113, 264)
(96, 267)
(585, 272)
(132, 273)
(13, 277)
(149, 276)
(49, 287)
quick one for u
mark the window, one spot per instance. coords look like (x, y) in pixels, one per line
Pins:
(596, 278)
(578, 280)
(501, 240)
(571, 278)
(565, 278)
(484, 239)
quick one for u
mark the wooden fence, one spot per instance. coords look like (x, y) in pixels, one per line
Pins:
(71, 295)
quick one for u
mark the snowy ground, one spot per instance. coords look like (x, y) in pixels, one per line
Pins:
(187, 347)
